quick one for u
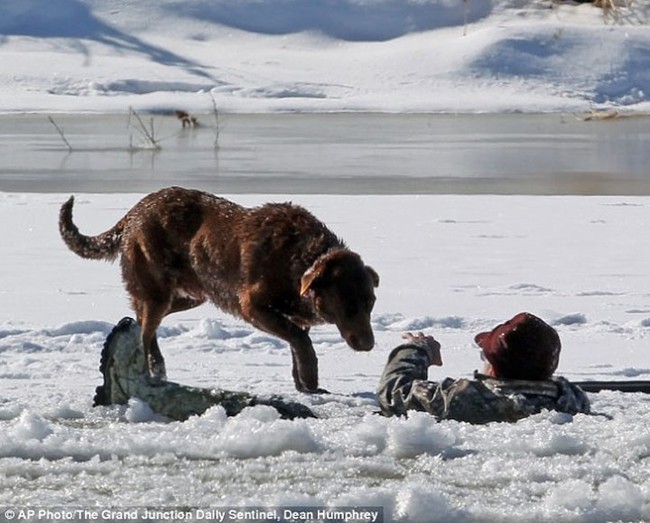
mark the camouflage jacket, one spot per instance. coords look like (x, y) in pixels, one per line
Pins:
(404, 386)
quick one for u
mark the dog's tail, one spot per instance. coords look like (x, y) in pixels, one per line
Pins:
(104, 246)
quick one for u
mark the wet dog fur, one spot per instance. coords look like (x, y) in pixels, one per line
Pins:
(276, 266)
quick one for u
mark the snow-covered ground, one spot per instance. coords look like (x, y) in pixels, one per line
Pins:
(449, 265)
(323, 55)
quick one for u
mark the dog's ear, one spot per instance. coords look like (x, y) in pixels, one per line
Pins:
(373, 275)
(317, 270)
(309, 277)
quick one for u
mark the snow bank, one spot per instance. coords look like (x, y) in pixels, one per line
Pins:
(323, 55)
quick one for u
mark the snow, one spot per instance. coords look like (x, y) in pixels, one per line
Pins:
(450, 265)
(323, 55)
(57, 450)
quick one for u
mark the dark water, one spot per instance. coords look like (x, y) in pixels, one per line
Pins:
(329, 153)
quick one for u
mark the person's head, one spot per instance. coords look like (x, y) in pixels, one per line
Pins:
(524, 347)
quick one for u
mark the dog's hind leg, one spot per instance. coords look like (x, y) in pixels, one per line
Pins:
(151, 297)
(149, 319)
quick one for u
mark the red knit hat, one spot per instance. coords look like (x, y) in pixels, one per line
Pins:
(524, 348)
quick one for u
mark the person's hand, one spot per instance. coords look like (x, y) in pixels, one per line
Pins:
(428, 343)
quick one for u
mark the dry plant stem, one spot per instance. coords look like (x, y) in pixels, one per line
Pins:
(612, 8)
(215, 112)
(148, 133)
(61, 134)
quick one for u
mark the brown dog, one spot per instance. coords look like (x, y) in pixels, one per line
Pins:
(276, 266)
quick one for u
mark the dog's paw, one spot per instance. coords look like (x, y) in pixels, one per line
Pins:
(157, 373)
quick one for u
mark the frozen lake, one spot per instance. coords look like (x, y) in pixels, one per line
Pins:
(340, 153)
(450, 265)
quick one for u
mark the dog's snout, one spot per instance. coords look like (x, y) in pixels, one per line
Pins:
(361, 343)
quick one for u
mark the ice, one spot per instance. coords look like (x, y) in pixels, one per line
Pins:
(550, 466)
(471, 262)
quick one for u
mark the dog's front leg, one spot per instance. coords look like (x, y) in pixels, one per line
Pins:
(303, 356)
(305, 365)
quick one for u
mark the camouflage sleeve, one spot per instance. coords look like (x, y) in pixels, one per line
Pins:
(403, 385)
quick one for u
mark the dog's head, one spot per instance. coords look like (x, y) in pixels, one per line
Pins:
(342, 290)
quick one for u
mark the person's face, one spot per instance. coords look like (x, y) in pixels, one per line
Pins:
(487, 368)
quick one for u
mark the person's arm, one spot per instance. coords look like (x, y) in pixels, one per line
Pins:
(403, 385)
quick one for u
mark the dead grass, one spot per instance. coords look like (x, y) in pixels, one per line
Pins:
(612, 9)
(610, 114)
(616, 11)
(147, 133)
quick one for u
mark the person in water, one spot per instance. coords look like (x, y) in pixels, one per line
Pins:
(124, 377)
(520, 355)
